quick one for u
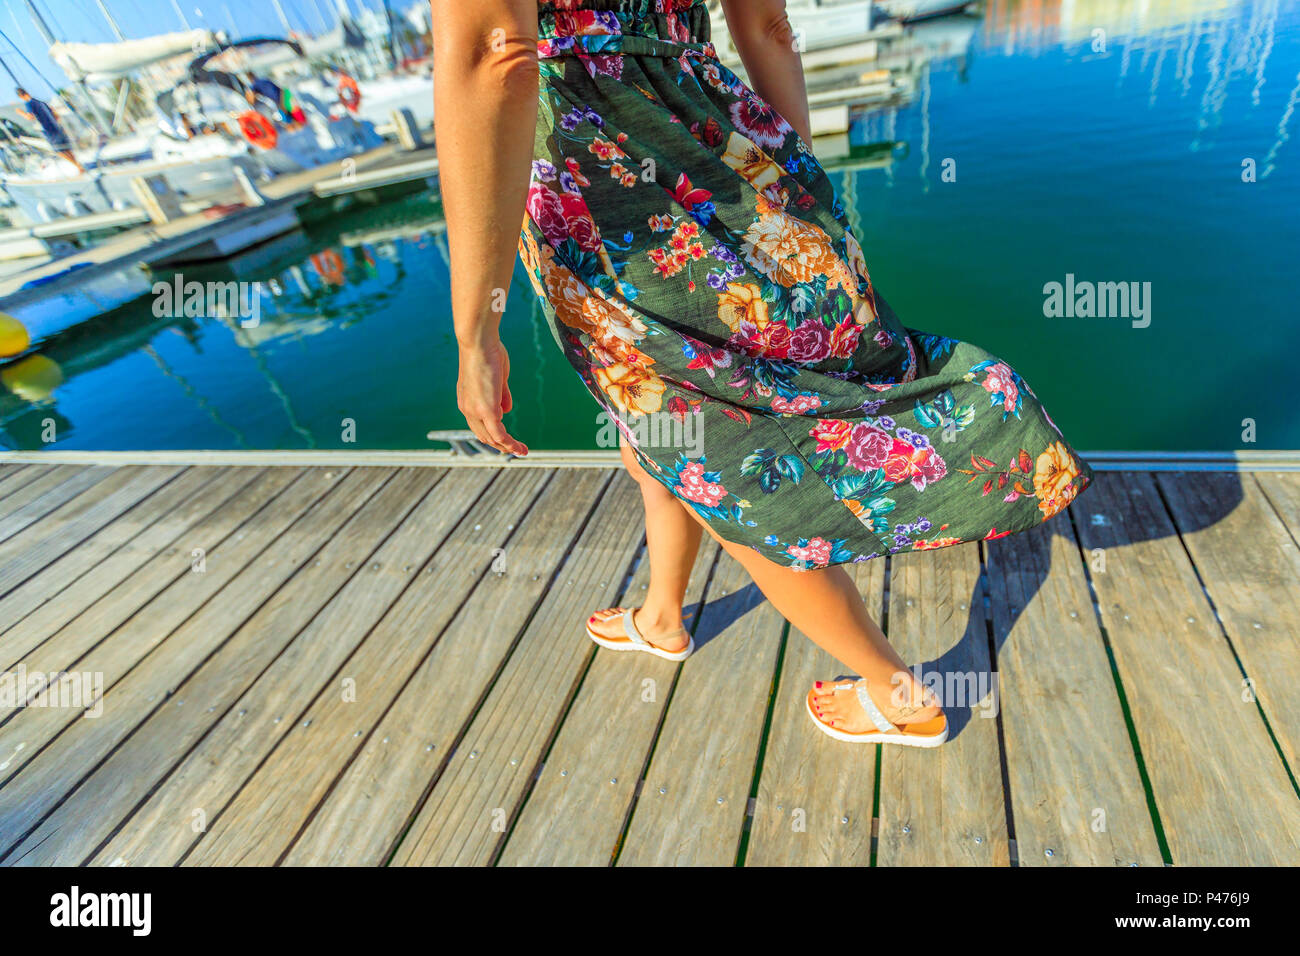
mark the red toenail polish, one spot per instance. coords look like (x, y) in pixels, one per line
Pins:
(819, 685)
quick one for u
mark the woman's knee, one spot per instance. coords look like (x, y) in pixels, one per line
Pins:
(649, 484)
(634, 467)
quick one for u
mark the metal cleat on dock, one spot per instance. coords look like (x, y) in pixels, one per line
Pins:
(463, 442)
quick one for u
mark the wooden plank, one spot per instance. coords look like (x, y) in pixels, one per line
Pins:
(1283, 492)
(35, 499)
(692, 809)
(210, 662)
(13, 477)
(1075, 786)
(1250, 565)
(466, 815)
(175, 632)
(442, 643)
(127, 542)
(944, 807)
(1220, 788)
(576, 819)
(815, 794)
(68, 526)
(210, 775)
(94, 605)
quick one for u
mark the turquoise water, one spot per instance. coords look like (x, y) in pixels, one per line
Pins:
(1121, 164)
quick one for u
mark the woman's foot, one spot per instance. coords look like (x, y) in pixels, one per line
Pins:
(836, 704)
(664, 633)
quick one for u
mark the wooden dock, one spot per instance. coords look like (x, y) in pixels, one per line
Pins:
(386, 665)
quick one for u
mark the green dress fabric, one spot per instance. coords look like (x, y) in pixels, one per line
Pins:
(697, 269)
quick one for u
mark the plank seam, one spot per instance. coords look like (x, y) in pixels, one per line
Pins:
(162, 703)
(288, 725)
(491, 682)
(1223, 631)
(1153, 809)
(620, 841)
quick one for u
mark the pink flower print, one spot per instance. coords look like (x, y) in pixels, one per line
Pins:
(695, 487)
(810, 342)
(799, 405)
(868, 447)
(1000, 379)
(547, 210)
(816, 552)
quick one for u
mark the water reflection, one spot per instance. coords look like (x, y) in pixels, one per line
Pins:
(1110, 136)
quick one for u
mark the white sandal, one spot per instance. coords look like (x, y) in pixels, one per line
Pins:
(635, 642)
(924, 733)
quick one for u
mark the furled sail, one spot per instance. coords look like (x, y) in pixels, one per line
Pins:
(107, 61)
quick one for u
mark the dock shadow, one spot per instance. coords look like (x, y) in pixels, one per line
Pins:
(1032, 569)
(1032, 565)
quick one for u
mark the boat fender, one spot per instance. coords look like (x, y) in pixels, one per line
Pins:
(14, 339)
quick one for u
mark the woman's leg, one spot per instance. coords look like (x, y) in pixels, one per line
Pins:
(824, 604)
(672, 540)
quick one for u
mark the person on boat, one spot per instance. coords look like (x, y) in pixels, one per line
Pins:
(41, 113)
(278, 99)
(697, 268)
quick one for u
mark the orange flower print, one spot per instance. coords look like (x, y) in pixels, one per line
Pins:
(632, 386)
(751, 162)
(790, 252)
(682, 247)
(529, 254)
(605, 150)
(844, 339)
(611, 323)
(857, 262)
(832, 434)
(935, 543)
(1054, 474)
(739, 304)
(571, 165)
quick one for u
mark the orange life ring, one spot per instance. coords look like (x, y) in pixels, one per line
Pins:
(257, 129)
(329, 266)
(349, 93)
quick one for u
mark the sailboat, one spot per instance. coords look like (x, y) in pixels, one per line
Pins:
(197, 163)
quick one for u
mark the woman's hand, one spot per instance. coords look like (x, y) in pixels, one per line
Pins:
(485, 87)
(483, 394)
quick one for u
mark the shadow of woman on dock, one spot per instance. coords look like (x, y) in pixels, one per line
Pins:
(1122, 508)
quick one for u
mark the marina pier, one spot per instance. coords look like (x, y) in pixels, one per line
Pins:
(374, 664)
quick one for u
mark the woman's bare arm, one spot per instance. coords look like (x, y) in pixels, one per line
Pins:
(485, 112)
(766, 44)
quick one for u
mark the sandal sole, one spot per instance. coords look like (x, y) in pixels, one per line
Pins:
(644, 648)
(875, 737)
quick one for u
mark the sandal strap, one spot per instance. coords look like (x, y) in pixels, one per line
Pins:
(872, 711)
(630, 628)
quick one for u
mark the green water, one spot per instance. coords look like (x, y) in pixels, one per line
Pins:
(1122, 165)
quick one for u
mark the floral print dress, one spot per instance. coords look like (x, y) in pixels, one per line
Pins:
(697, 269)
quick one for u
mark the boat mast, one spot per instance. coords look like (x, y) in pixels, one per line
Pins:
(288, 30)
(124, 87)
(44, 29)
(177, 7)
